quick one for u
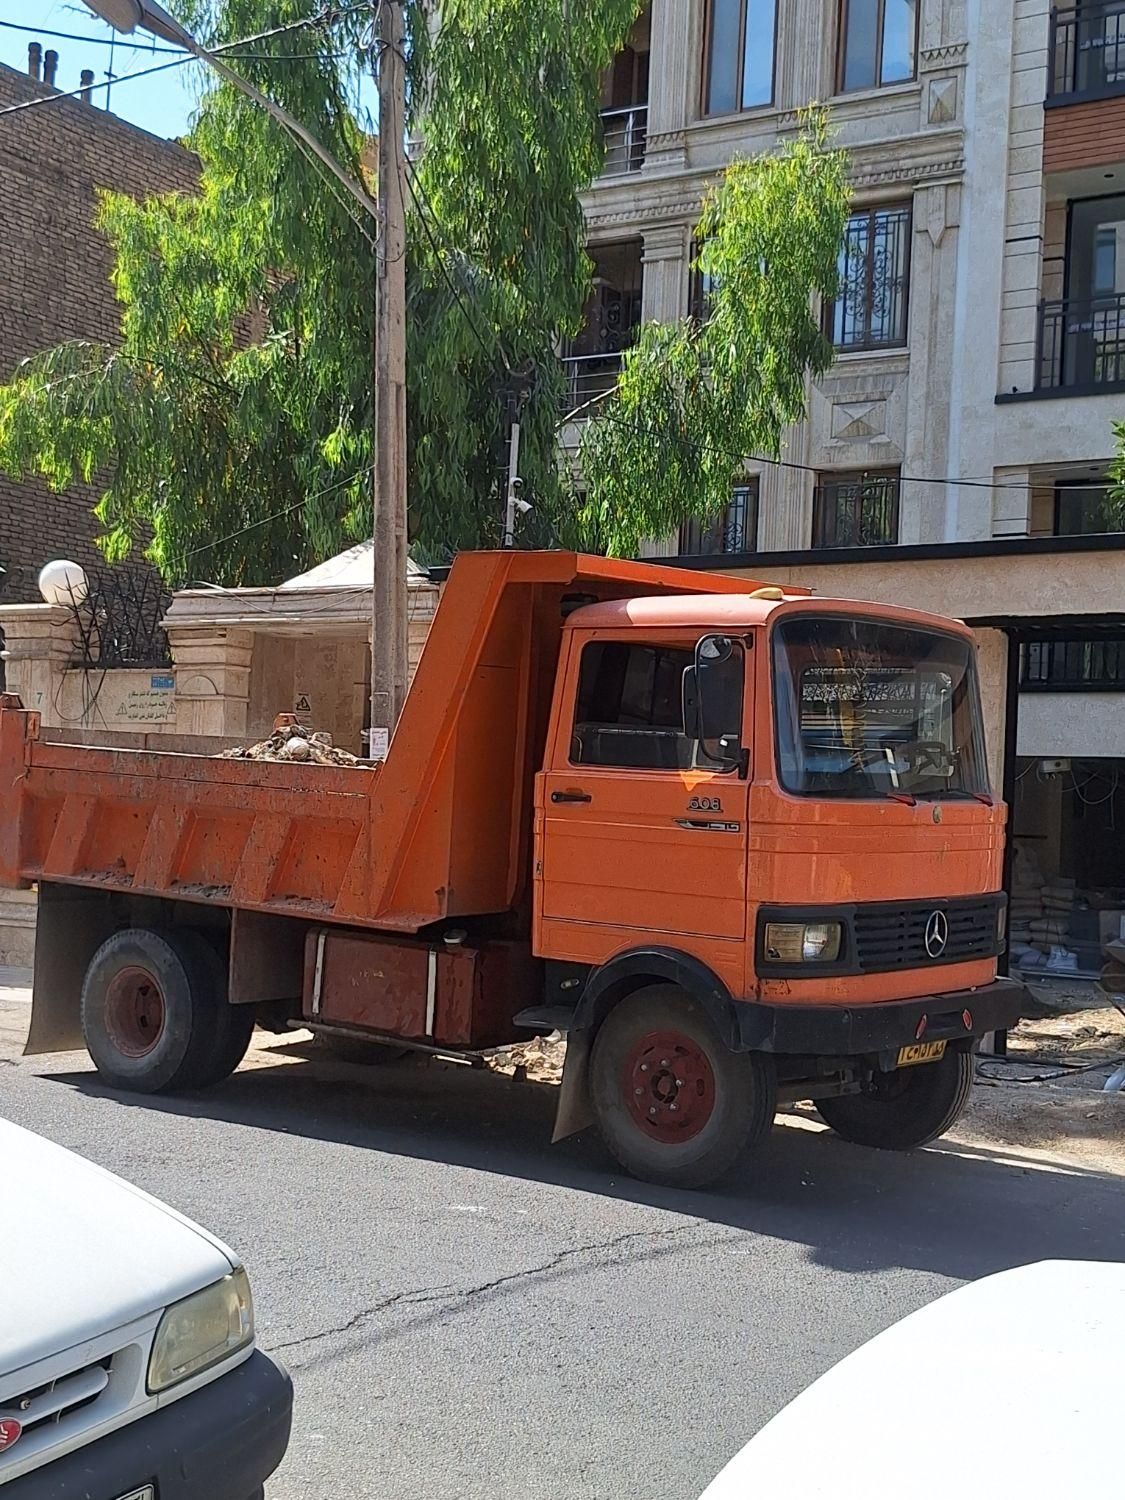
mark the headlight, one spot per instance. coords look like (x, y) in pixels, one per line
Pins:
(804, 942)
(201, 1330)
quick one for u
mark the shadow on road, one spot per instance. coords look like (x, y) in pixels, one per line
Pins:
(960, 1212)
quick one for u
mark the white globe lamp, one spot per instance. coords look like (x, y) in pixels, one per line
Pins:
(63, 582)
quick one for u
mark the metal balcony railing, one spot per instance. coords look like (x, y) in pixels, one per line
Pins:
(856, 511)
(625, 132)
(588, 376)
(1082, 343)
(1087, 50)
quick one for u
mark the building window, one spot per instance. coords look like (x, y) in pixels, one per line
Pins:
(733, 530)
(878, 43)
(1087, 510)
(870, 308)
(856, 508)
(741, 38)
(1060, 666)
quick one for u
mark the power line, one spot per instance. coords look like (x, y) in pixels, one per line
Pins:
(326, 18)
(280, 515)
(97, 41)
(417, 193)
(781, 463)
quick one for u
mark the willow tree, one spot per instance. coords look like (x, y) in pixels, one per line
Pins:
(230, 429)
(697, 397)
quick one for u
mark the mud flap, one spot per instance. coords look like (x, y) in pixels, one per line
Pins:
(71, 925)
(575, 1111)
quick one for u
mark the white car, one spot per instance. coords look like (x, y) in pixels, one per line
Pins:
(128, 1369)
(1009, 1386)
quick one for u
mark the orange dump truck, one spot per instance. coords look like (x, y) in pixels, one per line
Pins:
(738, 844)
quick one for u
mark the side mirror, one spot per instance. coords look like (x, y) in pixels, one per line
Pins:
(712, 699)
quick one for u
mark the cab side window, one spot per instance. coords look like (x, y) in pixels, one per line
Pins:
(630, 707)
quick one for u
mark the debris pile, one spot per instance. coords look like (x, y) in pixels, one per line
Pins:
(540, 1059)
(295, 742)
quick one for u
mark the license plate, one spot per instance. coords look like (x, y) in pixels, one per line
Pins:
(146, 1493)
(908, 1057)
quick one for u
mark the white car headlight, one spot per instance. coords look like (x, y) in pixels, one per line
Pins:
(804, 942)
(201, 1330)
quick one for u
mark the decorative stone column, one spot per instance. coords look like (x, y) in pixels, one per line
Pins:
(212, 678)
(667, 250)
(677, 39)
(40, 642)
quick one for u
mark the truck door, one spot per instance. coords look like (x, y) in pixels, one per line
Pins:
(639, 833)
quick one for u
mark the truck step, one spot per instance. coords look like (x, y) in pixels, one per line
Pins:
(545, 1018)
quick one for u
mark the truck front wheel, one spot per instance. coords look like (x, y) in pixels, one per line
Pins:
(155, 1015)
(905, 1109)
(674, 1104)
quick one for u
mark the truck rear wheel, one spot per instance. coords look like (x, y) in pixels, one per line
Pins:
(905, 1109)
(155, 1015)
(674, 1104)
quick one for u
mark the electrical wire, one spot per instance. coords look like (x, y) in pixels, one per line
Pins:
(418, 194)
(326, 18)
(279, 515)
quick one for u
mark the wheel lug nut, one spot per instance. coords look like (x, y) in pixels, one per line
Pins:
(679, 1083)
(663, 1062)
(653, 1110)
(644, 1067)
(638, 1092)
(671, 1106)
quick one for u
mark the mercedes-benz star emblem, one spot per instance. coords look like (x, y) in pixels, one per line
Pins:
(937, 934)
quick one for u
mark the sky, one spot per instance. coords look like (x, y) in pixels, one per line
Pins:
(162, 103)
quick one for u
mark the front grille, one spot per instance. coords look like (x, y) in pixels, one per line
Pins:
(47, 1405)
(894, 937)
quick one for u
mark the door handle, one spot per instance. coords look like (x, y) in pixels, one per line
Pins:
(571, 797)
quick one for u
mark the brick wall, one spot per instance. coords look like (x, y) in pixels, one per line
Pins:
(1084, 135)
(54, 279)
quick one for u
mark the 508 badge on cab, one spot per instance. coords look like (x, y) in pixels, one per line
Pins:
(705, 804)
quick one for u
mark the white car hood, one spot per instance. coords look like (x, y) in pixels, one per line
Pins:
(82, 1253)
(1010, 1386)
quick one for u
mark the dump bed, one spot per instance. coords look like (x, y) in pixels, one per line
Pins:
(441, 829)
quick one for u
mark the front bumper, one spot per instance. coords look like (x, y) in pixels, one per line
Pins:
(220, 1443)
(851, 1031)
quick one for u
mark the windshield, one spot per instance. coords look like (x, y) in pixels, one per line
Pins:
(867, 709)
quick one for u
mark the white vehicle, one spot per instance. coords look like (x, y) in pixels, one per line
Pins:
(1009, 1386)
(128, 1369)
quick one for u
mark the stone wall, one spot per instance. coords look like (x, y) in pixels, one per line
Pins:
(56, 281)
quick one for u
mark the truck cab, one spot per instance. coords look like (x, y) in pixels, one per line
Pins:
(784, 804)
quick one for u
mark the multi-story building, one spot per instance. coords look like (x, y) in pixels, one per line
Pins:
(955, 456)
(54, 159)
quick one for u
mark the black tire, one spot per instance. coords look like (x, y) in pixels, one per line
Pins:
(729, 1098)
(908, 1108)
(233, 1024)
(172, 976)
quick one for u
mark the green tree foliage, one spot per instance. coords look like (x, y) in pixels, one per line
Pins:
(1116, 506)
(239, 398)
(696, 396)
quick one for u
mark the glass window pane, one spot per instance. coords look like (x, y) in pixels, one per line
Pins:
(900, 21)
(861, 44)
(722, 81)
(757, 67)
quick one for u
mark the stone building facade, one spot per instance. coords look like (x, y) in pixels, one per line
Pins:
(54, 159)
(956, 455)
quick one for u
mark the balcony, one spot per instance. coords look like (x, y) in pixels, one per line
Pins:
(856, 508)
(1087, 52)
(1082, 345)
(588, 378)
(625, 132)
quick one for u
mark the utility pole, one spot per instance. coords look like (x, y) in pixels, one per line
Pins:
(389, 596)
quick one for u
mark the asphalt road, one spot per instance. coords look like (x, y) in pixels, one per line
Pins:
(469, 1312)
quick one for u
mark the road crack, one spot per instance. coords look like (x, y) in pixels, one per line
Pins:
(452, 1294)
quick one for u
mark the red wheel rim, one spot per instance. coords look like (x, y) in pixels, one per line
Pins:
(669, 1086)
(134, 1012)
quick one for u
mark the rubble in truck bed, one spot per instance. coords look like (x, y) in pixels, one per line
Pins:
(293, 742)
